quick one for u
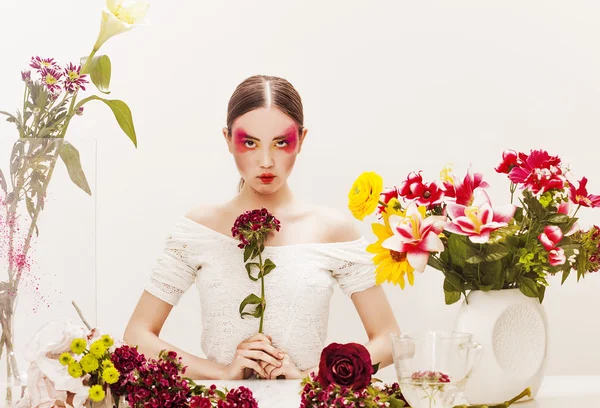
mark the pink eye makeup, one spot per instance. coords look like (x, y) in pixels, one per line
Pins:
(291, 139)
(240, 139)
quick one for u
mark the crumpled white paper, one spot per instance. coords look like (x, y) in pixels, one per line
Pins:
(48, 381)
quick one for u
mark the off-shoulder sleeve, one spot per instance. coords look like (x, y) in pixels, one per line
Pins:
(176, 269)
(350, 264)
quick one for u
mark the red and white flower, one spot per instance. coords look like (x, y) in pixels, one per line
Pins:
(478, 220)
(416, 235)
(538, 171)
(580, 195)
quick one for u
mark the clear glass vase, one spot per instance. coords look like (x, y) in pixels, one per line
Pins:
(47, 245)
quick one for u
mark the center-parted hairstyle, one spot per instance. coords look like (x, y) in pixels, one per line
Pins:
(262, 91)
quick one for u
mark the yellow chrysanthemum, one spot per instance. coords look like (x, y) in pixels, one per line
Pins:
(392, 266)
(78, 346)
(107, 363)
(107, 340)
(98, 348)
(364, 194)
(96, 393)
(65, 358)
(89, 363)
(75, 370)
(110, 375)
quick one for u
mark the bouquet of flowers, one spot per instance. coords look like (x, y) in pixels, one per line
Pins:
(452, 226)
(73, 366)
(345, 379)
(160, 383)
(252, 229)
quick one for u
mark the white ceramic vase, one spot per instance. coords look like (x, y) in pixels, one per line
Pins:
(513, 330)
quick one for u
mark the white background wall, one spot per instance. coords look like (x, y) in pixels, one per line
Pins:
(391, 87)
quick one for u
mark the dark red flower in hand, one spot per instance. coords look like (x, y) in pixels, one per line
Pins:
(348, 365)
(254, 226)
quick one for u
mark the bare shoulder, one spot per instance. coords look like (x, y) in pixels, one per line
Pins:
(207, 215)
(340, 226)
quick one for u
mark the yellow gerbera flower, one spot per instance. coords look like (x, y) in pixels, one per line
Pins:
(392, 266)
(364, 194)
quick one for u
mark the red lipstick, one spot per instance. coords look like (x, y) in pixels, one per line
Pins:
(267, 178)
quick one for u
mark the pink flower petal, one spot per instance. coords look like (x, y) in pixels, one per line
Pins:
(432, 243)
(480, 239)
(504, 213)
(418, 259)
(546, 242)
(455, 210)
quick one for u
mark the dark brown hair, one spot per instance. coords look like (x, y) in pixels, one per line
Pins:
(262, 91)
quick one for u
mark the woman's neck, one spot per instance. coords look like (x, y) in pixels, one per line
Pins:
(249, 199)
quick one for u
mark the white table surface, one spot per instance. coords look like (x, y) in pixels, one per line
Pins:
(556, 392)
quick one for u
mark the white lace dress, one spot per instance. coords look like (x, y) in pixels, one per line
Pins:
(298, 291)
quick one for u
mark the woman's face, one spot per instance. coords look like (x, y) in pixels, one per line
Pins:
(264, 143)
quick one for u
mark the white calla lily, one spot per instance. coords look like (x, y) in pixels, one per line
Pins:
(120, 16)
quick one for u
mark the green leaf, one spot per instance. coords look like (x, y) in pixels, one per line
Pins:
(249, 266)
(435, 263)
(251, 299)
(492, 252)
(122, 114)
(492, 274)
(376, 368)
(256, 313)
(542, 292)
(559, 218)
(3, 182)
(454, 283)
(30, 206)
(528, 287)
(459, 249)
(100, 71)
(70, 156)
(10, 118)
(221, 394)
(269, 266)
(397, 403)
(451, 297)
(247, 252)
(565, 275)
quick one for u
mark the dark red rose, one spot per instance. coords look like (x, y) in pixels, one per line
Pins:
(348, 365)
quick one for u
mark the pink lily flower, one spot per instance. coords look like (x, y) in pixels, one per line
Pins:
(416, 235)
(478, 220)
(465, 189)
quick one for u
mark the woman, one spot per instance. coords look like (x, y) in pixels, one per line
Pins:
(314, 249)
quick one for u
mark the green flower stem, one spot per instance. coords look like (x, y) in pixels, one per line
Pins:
(262, 291)
(506, 404)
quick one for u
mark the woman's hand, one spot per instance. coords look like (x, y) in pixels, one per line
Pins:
(249, 356)
(287, 370)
